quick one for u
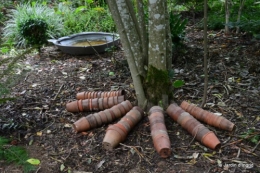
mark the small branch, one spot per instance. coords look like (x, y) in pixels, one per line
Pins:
(58, 92)
(255, 146)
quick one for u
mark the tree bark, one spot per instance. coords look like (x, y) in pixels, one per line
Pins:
(241, 6)
(205, 93)
(227, 12)
(131, 43)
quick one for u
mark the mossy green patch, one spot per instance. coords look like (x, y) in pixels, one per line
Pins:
(157, 83)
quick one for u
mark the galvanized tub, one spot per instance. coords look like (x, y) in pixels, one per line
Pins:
(86, 43)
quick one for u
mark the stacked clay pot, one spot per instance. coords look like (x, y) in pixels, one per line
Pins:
(103, 117)
(117, 133)
(194, 127)
(94, 104)
(159, 133)
(94, 94)
(208, 117)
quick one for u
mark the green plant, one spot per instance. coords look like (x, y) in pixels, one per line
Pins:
(25, 13)
(15, 154)
(34, 31)
(251, 135)
(177, 27)
(85, 18)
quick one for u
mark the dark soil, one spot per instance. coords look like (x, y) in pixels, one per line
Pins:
(38, 120)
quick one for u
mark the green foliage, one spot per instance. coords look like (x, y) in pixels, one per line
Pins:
(26, 12)
(34, 31)
(177, 27)
(249, 19)
(178, 83)
(85, 19)
(15, 154)
(157, 83)
(251, 135)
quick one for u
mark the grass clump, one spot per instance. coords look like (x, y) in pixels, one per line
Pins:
(24, 13)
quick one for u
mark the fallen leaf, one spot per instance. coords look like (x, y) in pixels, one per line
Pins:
(39, 133)
(33, 161)
(62, 167)
(100, 164)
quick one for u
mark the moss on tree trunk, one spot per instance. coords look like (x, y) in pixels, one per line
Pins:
(157, 84)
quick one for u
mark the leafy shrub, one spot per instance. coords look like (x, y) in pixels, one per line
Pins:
(84, 19)
(177, 27)
(34, 31)
(24, 13)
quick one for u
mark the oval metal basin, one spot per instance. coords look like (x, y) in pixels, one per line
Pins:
(86, 43)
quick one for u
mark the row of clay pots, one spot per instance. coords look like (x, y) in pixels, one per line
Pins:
(194, 127)
(95, 104)
(208, 117)
(159, 132)
(94, 94)
(117, 133)
(103, 117)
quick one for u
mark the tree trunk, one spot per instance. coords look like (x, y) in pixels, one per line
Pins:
(227, 16)
(158, 82)
(241, 6)
(204, 99)
(130, 38)
(150, 75)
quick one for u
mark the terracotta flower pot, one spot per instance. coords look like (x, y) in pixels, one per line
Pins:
(155, 109)
(174, 111)
(125, 124)
(105, 103)
(211, 141)
(117, 133)
(195, 128)
(98, 119)
(127, 105)
(207, 117)
(103, 117)
(72, 106)
(81, 125)
(92, 121)
(111, 139)
(159, 133)
(162, 145)
(93, 94)
(116, 111)
(121, 109)
(108, 115)
(129, 120)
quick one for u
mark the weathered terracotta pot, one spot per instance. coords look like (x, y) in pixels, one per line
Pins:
(208, 117)
(94, 104)
(211, 141)
(123, 127)
(103, 117)
(92, 121)
(93, 94)
(98, 119)
(112, 138)
(162, 145)
(174, 111)
(127, 105)
(81, 125)
(194, 127)
(159, 133)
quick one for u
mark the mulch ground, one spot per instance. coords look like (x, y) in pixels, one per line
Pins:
(38, 120)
